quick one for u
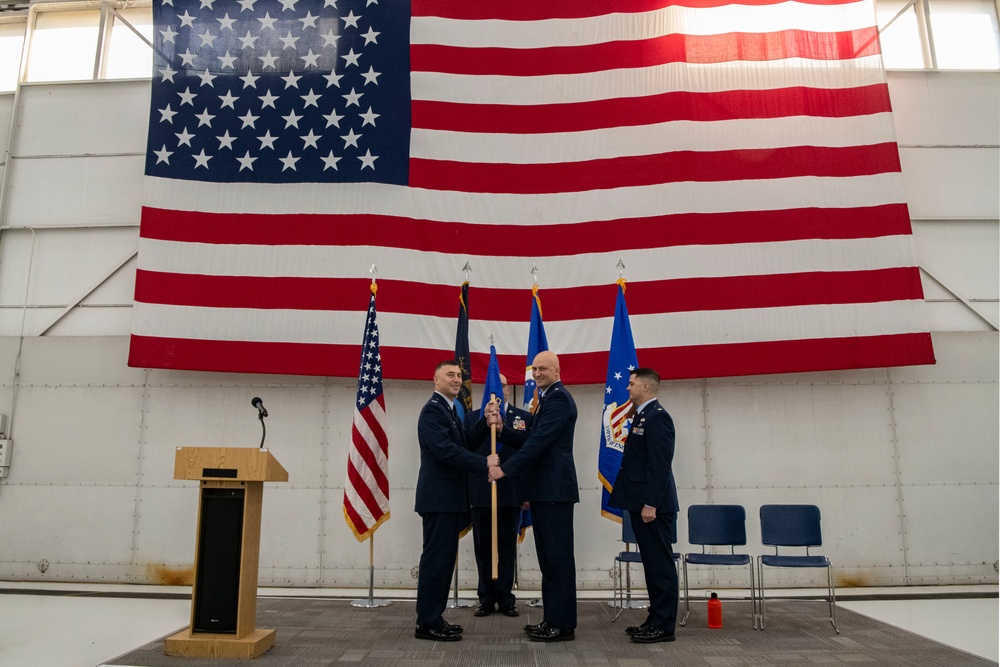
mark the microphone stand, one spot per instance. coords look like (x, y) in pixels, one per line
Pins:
(260, 416)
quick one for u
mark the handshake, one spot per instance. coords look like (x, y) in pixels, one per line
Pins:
(493, 416)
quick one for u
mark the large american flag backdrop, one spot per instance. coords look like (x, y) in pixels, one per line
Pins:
(739, 158)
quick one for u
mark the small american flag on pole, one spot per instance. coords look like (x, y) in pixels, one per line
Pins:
(366, 491)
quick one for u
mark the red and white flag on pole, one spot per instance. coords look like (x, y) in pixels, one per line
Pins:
(366, 491)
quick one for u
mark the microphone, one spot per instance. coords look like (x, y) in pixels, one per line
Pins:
(259, 404)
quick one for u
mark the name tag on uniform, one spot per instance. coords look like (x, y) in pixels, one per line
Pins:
(519, 424)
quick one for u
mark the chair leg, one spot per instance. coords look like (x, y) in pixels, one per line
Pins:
(687, 596)
(760, 592)
(832, 598)
(753, 598)
(628, 585)
(618, 596)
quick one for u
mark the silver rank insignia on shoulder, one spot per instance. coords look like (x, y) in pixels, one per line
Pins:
(518, 424)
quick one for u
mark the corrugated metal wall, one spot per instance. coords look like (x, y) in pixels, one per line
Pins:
(902, 461)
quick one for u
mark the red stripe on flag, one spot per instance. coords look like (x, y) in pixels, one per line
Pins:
(673, 48)
(364, 449)
(533, 10)
(508, 240)
(352, 515)
(236, 356)
(766, 291)
(417, 364)
(378, 430)
(771, 357)
(651, 109)
(674, 167)
(362, 491)
(662, 296)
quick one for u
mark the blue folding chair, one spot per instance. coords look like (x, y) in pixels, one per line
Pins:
(718, 525)
(793, 526)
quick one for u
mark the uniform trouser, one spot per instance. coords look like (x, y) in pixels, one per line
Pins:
(496, 592)
(658, 566)
(437, 565)
(552, 524)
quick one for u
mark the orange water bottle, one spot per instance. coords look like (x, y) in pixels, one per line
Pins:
(714, 612)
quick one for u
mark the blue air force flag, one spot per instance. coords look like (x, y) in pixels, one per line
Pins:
(616, 418)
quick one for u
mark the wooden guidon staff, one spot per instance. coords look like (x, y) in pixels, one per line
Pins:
(493, 495)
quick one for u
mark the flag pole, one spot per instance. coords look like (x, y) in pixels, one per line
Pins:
(371, 568)
(455, 603)
(533, 402)
(464, 363)
(371, 602)
(493, 499)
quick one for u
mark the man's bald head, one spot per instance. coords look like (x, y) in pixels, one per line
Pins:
(545, 369)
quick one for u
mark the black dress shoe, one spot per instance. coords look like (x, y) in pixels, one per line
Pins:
(636, 629)
(436, 634)
(484, 610)
(453, 629)
(552, 634)
(652, 636)
(536, 627)
(509, 611)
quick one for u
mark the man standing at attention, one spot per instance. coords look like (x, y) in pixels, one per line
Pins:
(645, 487)
(443, 498)
(497, 595)
(546, 474)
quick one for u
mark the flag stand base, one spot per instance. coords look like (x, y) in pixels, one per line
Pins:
(460, 604)
(628, 604)
(370, 603)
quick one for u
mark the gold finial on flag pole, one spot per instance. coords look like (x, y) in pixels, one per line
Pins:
(373, 271)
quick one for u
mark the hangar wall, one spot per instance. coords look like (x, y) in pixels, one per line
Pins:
(903, 461)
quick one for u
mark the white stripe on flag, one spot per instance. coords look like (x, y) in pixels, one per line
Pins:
(643, 81)
(651, 139)
(526, 210)
(664, 329)
(737, 259)
(644, 25)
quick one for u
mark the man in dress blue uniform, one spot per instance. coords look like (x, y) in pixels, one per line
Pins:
(546, 475)
(497, 595)
(645, 487)
(442, 497)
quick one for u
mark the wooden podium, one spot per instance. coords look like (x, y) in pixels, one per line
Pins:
(227, 551)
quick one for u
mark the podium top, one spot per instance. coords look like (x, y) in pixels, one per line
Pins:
(241, 464)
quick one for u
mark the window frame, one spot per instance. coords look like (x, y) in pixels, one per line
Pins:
(109, 14)
(925, 33)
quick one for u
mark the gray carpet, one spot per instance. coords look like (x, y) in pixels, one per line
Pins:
(327, 631)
